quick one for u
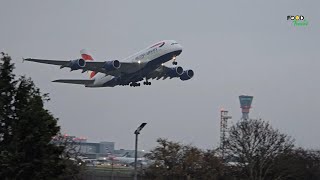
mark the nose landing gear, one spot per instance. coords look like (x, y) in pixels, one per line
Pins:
(174, 62)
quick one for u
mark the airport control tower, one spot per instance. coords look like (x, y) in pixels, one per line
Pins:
(245, 103)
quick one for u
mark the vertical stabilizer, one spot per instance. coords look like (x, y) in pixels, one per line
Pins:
(87, 57)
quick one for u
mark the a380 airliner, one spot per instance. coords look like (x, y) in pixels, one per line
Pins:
(143, 65)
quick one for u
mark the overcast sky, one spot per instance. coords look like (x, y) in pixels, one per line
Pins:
(234, 47)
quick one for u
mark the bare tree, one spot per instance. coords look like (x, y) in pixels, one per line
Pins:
(300, 164)
(192, 158)
(174, 160)
(72, 147)
(212, 166)
(253, 146)
(71, 154)
(167, 156)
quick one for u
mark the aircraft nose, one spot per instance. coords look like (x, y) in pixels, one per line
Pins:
(178, 51)
(179, 48)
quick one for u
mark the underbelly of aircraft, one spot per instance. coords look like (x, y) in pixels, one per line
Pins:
(152, 65)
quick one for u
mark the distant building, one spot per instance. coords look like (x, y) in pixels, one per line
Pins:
(94, 150)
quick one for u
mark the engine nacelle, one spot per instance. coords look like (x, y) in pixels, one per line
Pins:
(175, 71)
(77, 64)
(111, 65)
(188, 74)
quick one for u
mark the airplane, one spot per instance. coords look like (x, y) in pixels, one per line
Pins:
(126, 159)
(143, 65)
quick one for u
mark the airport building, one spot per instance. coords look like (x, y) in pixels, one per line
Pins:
(95, 150)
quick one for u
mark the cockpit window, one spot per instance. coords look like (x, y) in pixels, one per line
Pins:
(174, 43)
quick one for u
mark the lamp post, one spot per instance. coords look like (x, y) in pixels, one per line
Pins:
(137, 132)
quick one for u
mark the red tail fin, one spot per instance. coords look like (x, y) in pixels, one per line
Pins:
(92, 74)
(87, 57)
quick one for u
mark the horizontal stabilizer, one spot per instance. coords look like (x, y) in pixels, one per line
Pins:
(75, 81)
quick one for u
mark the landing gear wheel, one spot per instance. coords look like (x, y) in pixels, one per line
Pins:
(134, 84)
(147, 83)
(174, 63)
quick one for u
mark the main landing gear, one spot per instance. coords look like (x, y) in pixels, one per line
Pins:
(134, 84)
(174, 62)
(147, 82)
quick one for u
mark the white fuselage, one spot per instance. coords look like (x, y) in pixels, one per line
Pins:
(142, 58)
(126, 160)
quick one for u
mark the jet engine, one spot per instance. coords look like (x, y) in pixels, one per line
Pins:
(186, 75)
(77, 64)
(111, 65)
(175, 71)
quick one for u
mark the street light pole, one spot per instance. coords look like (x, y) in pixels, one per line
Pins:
(137, 132)
(135, 157)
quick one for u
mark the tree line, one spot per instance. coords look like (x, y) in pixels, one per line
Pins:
(254, 150)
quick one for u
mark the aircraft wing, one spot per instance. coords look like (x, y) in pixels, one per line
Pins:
(171, 72)
(75, 81)
(44, 61)
(125, 68)
(165, 72)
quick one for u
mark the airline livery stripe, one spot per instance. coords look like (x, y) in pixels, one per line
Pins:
(158, 44)
(92, 74)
